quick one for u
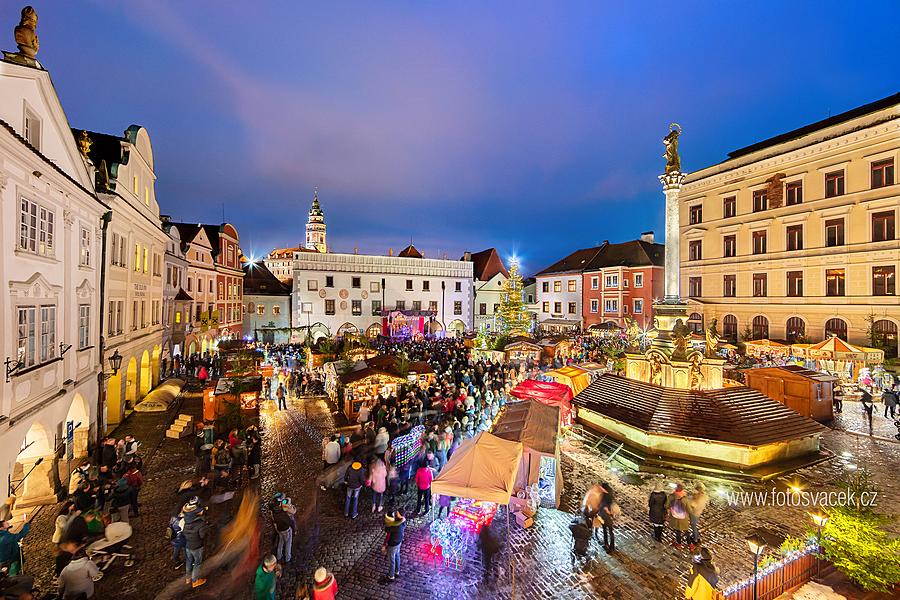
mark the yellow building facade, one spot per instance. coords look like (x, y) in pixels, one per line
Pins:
(796, 237)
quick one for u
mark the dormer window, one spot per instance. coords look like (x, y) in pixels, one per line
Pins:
(32, 128)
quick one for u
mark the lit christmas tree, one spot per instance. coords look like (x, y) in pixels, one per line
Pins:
(513, 319)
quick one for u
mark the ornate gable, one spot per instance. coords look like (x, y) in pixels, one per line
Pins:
(36, 287)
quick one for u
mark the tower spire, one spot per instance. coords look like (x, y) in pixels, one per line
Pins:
(315, 225)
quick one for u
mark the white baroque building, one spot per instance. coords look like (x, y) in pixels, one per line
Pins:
(50, 232)
(360, 293)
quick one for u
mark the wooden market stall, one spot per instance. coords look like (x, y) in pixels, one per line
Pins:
(556, 347)
(804, 391)
(536, 426)
(489, 355)
(766, 347)
(364, 385)
(241, 391)
(520, 349)
(594, 370)
(575, 377)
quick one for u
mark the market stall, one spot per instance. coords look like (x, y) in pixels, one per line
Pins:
(806, 392)
(550, 393)
(536, 426)
(556, 347)
(241, 391)
(842, 359)
(766, 348)
(574, 377)
(487, 354)
(364, 385)
(421, 374)
(594, 370)
(521, 350)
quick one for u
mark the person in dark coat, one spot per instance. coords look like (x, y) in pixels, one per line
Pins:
(582, 530)
(195, 531)
(889, 397)
(657, 506)
(606, 513)
(490, 546)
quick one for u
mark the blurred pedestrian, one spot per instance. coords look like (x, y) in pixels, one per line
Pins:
(678, 515)
(325, 587)
(266, 581)
(696, 505)
(657, 505)
(703, 578)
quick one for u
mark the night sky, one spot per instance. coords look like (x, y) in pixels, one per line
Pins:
(532, 127)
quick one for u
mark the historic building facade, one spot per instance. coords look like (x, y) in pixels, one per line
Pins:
(200, 286)
(176, 301)
(621, 281)
(490, 275)
(267, 306)
(559, 293)
(51, 227)
(135, 247)
(796, 236)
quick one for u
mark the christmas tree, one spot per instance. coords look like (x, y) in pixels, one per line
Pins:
(513, 319)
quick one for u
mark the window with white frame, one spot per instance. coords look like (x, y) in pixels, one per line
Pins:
(84, 326)
(595, 282)
(32, 128)
(84, 256)
(595, 305)
(48, 332)
(36, 228)
(612, 281)
(26, 335)
(638, 306)
(610, 306)
(638, 280)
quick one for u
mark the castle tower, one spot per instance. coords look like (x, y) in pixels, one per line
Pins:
(315, 226)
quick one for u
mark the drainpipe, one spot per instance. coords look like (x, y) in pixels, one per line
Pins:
(101, 348)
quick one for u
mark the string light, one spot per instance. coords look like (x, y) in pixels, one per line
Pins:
(789, 558)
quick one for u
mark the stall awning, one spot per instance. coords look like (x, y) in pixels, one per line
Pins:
(562, 322)
(159, 399)
(482, 468)
(575, 378)
(546, 392)
(534, 424)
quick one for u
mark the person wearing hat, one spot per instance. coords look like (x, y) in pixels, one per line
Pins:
(678, 514)
(394, 527)
(355, 478)
(195, 531)
(267, 574)
(657, 505)
(9, 546)
(325, 587)
(703, 578)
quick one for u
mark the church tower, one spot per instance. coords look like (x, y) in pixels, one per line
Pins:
(315, 226)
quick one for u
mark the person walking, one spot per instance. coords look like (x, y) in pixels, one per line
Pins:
(267, 574)
(280, 395)
(678, 515)
(195, 531)
(490, 546)
(424, 477)
(889, 397)
(394, 527)
(284, 529)
(378, 483)
(608, 512)
(76, 580)
(590, 505)
(582, 530)
(355, 478)
(703, 578)
(9, 547)
(696, 505)
(325, 587)
(657, 505)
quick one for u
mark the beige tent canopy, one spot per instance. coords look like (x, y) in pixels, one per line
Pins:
(482, 468)
(159, 399)
(575, 377)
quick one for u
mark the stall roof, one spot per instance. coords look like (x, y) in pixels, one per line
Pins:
(737, 415)
(360, 374)
(534, 424)
(482, 468)
(543, 390)
(796, 370)
(226, 385)
(160, 398)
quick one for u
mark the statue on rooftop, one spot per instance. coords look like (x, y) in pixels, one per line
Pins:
(84, 144)
(681, 335)
(673, 161)
(26, 38)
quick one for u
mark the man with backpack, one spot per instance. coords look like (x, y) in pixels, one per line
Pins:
(195, 531)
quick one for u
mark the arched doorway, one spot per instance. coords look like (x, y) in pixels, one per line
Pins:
(347, 329)
(435, 327)
(204, 346)
(79, 415)
(457, 327)
(695, 322)
(760, 328)
(795, 329)
(373, 331)
(884, 333)
(154, 364)
(131, 383)
(146, 375)
(114, 399)
(836, 327)
(192, 349)
(35, 483)
(730, 327)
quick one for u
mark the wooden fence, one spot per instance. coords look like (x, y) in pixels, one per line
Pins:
(784, 578)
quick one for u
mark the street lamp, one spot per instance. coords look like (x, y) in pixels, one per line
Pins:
(820, 518)
(115, 362)
(757, 544)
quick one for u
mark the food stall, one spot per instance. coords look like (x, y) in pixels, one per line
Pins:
(521, 349)
(421, 374)
(488, 354)
(243, 391)
(766, 348)
(364, 385)
(536, 426)
(556, 347)
(574, 377)
(550, 393)
(841, 359)
(594, 370)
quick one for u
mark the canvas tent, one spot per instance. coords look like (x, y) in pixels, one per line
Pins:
(536, 426)
(160, 398)
(547, 392)
(574, 377)
(482, 468)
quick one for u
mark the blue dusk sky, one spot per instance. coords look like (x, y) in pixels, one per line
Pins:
(533, 127)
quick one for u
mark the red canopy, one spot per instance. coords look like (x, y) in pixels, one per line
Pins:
(547, 392)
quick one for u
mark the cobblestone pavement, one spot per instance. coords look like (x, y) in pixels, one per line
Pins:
(534, 563)
(854, 419)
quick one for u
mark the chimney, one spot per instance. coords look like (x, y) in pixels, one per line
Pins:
(356, 250)
(467, 256)
(647, 236)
